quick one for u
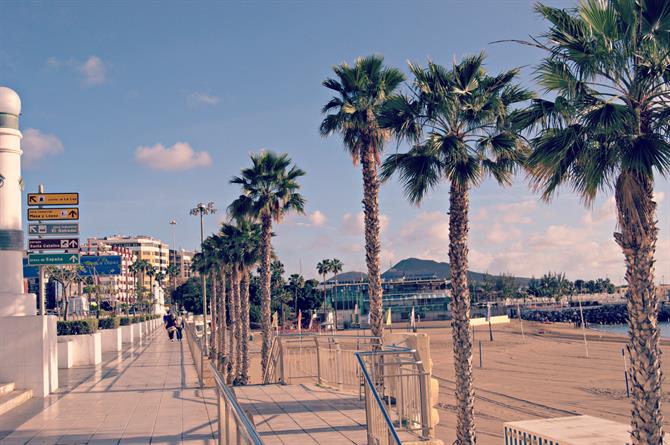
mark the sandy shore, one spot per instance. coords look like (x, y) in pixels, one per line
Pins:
(548, 375)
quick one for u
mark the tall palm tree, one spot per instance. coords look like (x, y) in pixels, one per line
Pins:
(322, 268)
(607, 66)
(458, 121)
(224, 269)
(336, 266)
(270, 190)
(212, 257)
(361, 92)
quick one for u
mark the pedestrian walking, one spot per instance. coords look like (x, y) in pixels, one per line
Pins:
(171, 326)
(180, 325)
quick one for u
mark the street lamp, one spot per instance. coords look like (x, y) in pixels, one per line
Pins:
(202, 209)
(173, 260)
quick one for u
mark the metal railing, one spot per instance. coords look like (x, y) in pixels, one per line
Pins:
(397, 396)
(234, 425)
(328, 360)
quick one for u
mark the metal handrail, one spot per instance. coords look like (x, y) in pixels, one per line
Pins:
(240, 415)
(378, 400)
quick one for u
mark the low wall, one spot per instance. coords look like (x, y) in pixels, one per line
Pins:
(87, 348)
(128, 334)
(111, 339)
(498, 319)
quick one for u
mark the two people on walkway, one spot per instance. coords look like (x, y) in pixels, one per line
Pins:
(174, 324)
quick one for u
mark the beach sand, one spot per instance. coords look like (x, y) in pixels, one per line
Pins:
(547, 376)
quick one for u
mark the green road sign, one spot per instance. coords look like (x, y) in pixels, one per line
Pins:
(56, 259)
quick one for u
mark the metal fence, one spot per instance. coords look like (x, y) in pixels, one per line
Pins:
(328, 360)
(234, 426)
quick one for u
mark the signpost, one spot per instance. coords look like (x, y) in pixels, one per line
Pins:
(53, 229)
(53, 199)
(61, 213)
(53, 259)
(40, 234)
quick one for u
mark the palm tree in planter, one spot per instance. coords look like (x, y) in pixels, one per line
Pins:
(336, 266)
(322, 268)
(270, 190)
(361, 92)
(458, 121)
(606, 129)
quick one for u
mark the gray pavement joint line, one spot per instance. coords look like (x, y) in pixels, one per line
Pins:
(324, 420)
(265, 419)
(339, 396)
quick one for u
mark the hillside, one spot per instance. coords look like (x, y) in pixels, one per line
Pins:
(418, 268)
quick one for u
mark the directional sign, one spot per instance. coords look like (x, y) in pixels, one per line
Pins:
(48, 259)
(30, 271)
(53, 244)
(53, 199)
(100, 265)
(53, 229)
(53, 214)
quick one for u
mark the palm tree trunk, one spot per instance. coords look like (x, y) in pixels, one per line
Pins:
(221, 363)
(372, 242)
(234, 321)
(460, 314)
(244, 306)
(637, 220)
(212, 308)
(266, 323)
(238, 326)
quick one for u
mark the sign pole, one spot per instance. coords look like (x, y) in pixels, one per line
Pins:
(42, 288)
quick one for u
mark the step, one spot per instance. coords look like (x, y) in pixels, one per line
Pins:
(6, 388)
(13, 399)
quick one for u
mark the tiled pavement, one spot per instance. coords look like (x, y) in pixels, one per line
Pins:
(148, 395)
(304, 414)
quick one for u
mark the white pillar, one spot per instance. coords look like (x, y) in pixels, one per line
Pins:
(13, 300)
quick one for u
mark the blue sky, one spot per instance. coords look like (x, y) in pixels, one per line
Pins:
(146, 108)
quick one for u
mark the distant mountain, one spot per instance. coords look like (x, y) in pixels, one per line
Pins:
(416, 268)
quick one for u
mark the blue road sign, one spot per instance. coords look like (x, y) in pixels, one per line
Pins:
(30, 271)
(100, 265)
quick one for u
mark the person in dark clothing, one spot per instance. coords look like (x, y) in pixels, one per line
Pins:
(171, 326)
(180, 325)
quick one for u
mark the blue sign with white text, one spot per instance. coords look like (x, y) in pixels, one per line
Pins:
(100, 265)
(30, 271)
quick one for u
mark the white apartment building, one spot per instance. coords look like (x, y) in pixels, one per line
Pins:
(182, 260)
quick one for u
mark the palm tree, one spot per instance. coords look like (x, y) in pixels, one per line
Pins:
(362, 91)
(322, 268)
(465, 115)
(607, 66)
(221, 246)
(270, 190)
(212, 258)
(336, 266)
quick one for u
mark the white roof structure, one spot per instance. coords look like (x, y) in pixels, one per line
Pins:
(10, 102)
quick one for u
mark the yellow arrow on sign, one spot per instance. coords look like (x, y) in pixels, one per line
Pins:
(53, 214)
(51, 199)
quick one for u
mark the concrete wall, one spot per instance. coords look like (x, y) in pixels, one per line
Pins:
(28, 353)
(112, 339)
(65, 354)
(499, 319)
(128, 334)
(87, 348)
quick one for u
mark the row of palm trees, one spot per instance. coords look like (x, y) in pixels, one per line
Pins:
(604, 125)
(141, 268)
(269, 190)
(323, 268)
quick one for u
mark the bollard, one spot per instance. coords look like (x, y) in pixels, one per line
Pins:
(481, 362)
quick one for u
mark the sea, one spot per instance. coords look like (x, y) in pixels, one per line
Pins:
(623, 328)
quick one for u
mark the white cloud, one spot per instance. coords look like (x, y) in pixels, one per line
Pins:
(37, 145)
(606, 213)
(355, 224)
(516, 212)
(93, 70)
(427, 226)
(203, 99)
(317, 218)
(180, 156)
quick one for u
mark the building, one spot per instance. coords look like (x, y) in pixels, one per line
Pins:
(181, 260)
(118, 289)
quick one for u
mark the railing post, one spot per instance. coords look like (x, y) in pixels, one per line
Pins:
(340, 383)
(220, 408)
(424, 387)
(282, 376)
(318, 361)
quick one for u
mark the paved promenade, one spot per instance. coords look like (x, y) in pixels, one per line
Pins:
(148, 395)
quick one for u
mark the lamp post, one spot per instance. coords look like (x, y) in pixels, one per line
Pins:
(173, 278)
(201, 210)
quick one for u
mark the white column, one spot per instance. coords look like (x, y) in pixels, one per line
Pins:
(13, 301)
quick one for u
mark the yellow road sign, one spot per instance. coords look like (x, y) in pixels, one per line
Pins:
(53, 199)
(53, 214)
